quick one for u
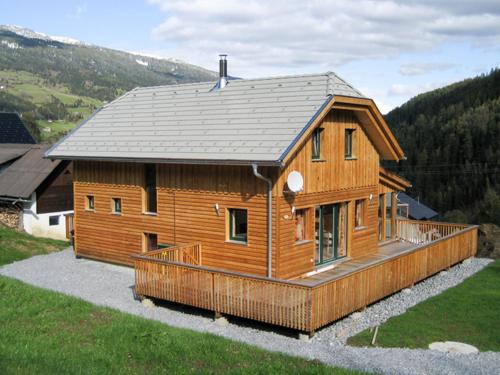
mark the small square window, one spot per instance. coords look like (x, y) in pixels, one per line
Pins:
(116, 205)
(359, 213)
(301, 225)
(150, 241)
(348, 143)
(53, 220)
(90, 202)
(316, 144)
(238, 225)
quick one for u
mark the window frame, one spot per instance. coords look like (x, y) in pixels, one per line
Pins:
(90, 203)
(114, 201)
(150, 192)
(232, 226)
(57, 217)
(306, 232)
(316, 144)
(360, 204)
(146, 241)
(348, 143)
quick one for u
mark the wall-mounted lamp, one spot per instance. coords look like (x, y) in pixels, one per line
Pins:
(293, 210)
(217, 210)
(371, 196)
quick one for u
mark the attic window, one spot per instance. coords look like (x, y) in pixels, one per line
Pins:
(316, 144)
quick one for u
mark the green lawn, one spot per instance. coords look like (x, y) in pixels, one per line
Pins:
(44, 332)
(469, 312)
(15, 245)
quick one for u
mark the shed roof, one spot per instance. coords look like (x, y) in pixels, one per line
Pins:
(13, 130)
(248, 121)
(24, 176)
(11, 151)
(417, 210)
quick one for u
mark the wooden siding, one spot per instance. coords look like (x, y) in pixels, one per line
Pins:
(187, 195)
(331, 179)
(298, 304)
(186, 212)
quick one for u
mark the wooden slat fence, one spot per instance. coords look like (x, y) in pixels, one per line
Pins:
(419, 232)
(188, 254)
(290, 303)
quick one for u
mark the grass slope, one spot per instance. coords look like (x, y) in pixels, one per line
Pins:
(16, 245)
(44, 332)
(49, 333)
(466, 313)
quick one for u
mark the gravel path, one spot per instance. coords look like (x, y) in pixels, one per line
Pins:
(111, 286)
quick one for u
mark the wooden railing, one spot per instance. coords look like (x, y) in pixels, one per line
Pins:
(188, 254)
(420, 232)
(291, 303)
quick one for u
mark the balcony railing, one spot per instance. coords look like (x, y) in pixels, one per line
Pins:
(420, 232)
(176, 274)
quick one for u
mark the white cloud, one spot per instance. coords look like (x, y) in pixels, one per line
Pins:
(264, 37)
(413, 69)
(412, 90)
(79, 11)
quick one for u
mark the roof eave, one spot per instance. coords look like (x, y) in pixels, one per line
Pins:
(235, 162)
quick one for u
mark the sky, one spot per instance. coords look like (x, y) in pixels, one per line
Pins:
(391, 50)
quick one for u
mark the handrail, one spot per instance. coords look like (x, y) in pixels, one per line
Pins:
(422, 232)
(177, 252)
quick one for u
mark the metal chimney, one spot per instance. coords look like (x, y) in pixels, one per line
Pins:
(222, 71)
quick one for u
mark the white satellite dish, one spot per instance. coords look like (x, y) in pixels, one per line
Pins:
(295, 182)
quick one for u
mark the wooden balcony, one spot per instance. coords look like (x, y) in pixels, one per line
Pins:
(421, 250)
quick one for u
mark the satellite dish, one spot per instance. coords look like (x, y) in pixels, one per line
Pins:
(295, 182)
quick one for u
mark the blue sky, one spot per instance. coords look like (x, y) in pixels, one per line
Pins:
(390, 49)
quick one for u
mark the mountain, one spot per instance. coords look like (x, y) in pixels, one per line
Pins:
(451, 137)
(57, 81)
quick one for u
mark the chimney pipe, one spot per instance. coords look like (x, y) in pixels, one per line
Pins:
(222, 71)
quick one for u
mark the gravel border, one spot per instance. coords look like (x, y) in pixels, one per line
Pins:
(112, 286)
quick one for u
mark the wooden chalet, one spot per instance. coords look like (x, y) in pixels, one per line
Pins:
(191, 185)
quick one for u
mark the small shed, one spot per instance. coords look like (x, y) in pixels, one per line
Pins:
(413, 208)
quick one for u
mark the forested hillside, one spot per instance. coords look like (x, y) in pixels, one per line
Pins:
(451, 137)
(57, 82)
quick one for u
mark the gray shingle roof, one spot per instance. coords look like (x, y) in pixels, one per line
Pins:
(23, 177)
(248, 120)
(417, 210)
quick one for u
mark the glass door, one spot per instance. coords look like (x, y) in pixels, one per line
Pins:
(330, 241)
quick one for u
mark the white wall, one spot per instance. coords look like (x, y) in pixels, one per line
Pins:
(38, 224)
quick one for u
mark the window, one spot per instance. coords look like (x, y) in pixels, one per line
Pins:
(359, 213)
(348, 143)
(238, 225)
(116, 205)
(150, 187)
(89, 205)
(316, 144)
(150, 241)
(389, 227)
(301, 225)
(53, 220)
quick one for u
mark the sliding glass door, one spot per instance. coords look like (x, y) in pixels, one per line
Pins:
(331, 232)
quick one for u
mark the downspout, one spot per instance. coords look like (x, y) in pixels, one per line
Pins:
(269, 219)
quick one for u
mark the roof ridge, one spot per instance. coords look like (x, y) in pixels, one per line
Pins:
(291, 76)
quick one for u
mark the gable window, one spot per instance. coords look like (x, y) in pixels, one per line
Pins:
(359, 213)
(116, 205)
(348, 143)
(54, 220)
(150, 188)
(301, 225)
(150, 241)
(238, 225)
(89, 203)
(316, 144)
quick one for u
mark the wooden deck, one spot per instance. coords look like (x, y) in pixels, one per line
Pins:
(306, 304)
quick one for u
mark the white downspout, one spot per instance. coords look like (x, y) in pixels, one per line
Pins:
(269, 219)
